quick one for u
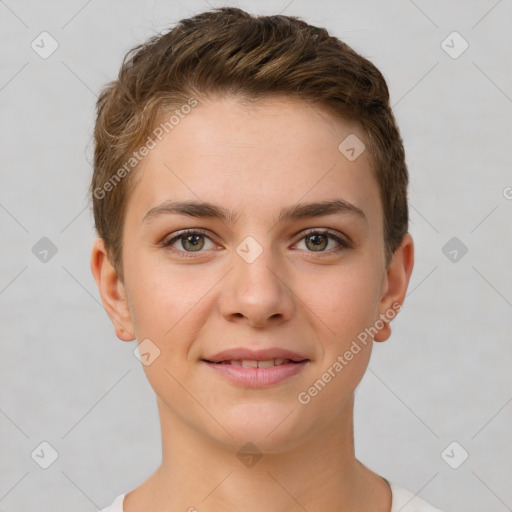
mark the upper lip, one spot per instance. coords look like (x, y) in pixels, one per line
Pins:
(240, 354)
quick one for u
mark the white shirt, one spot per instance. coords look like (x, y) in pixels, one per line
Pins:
(402, 501)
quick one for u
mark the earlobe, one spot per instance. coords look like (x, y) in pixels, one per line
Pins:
(112, 292)
(395, 286)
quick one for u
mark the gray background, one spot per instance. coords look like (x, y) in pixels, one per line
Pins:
(444, 375)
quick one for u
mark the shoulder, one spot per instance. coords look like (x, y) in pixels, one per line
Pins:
(405, 501)
(117, 505)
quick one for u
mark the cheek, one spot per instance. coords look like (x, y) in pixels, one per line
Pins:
(165, 299)
(345, 300)
(345, 306)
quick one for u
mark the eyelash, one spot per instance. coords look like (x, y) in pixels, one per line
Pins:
(344, 243)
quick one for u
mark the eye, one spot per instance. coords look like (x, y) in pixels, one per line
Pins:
(189, 241)
(192, 241)
(318, 241)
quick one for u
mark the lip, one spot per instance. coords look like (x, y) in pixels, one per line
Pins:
(257, 377)
(241, 353)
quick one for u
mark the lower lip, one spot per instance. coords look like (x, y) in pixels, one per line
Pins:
(257, 377)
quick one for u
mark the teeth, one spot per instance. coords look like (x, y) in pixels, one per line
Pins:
(265, 364)
(248, 363)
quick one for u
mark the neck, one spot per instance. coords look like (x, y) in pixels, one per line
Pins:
(319, 473)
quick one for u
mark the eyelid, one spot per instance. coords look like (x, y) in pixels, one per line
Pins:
(340, 237)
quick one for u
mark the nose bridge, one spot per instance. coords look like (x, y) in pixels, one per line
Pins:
(255, 289)
(253, 264)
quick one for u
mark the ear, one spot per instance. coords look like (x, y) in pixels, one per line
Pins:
(112, 292)
(395, 285)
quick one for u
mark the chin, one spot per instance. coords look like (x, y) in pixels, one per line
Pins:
(271, 426)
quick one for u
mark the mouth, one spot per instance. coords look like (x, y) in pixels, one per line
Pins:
(262, 355)
(252, 363)
(248, 369)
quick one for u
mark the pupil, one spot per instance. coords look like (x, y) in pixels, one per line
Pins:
(195, 241)
(317, 240)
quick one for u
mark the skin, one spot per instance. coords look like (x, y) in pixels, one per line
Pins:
(255, 160)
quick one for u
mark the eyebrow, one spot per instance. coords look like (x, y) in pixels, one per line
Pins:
(295, 212)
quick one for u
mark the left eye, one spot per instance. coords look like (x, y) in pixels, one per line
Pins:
(317, 241)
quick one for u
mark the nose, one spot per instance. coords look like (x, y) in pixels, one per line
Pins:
(257, 292)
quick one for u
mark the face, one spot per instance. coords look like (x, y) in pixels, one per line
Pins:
(251, 240)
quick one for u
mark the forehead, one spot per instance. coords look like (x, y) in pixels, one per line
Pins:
(256, 156)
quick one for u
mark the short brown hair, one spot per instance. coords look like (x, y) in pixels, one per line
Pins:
(227, 51)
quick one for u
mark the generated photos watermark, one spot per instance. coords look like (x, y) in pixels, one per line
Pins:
(151, 143)
(304, 397)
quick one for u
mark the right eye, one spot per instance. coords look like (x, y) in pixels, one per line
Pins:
(188, 241)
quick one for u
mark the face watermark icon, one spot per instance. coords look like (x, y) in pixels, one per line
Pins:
(44, 45)
(249, 249)
(507, 193)
(454, 45)
(249, 455)
(44, 455)
(454, 455)
(351, 147)
(44, 249)
(454, 249)
(146, 352)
